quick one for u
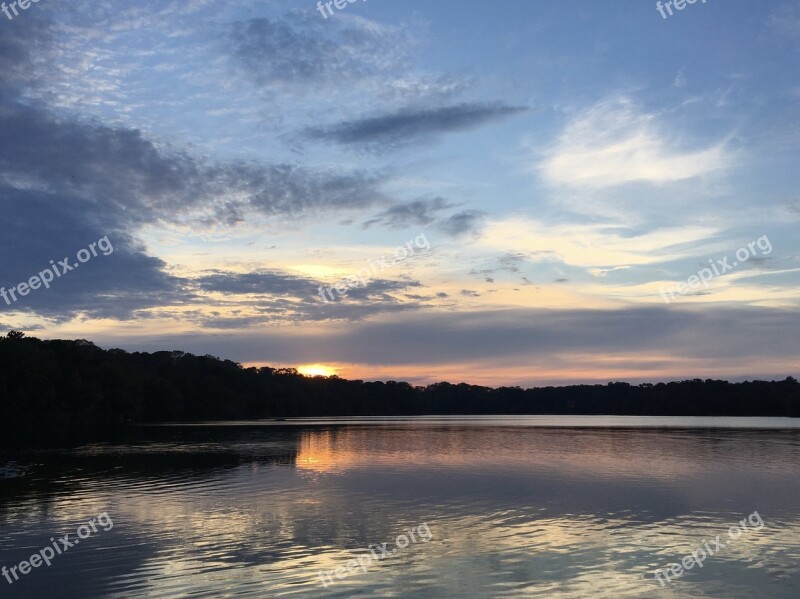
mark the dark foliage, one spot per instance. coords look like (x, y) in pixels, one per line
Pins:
(54, 392)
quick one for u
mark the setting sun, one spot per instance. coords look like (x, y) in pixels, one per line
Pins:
(316, 370)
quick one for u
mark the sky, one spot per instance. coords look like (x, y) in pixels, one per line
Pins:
(505, 193)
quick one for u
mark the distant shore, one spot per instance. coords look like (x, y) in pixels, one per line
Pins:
(60, 391)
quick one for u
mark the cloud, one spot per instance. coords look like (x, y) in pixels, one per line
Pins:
(259, 282)
(302, 50)
(680, 78)
(280, 190)
(604, 272)
(285, 284)
(513, 260)
(598, 246)
(40, 228)
(793, 208)
(119, 171)
(425, 213)
(713, 340)
(420, 212)
(379, 289)
(484, 274)
(353, 59)
(291, 299)
(411, 125)
(467, 222)
(25, 49)
(65, 183)
(613, 143)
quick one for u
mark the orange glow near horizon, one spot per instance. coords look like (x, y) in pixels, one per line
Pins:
(316, 370)
(554, 369)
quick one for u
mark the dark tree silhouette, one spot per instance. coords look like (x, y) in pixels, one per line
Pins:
(57, 392)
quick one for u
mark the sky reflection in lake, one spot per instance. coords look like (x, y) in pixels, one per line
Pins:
(515, 511)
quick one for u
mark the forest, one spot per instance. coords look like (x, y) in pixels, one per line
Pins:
(63, 391)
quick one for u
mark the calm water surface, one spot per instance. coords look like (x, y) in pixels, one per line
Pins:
(517, 507)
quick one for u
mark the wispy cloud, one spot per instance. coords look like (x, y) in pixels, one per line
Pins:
(299, 49)
(613, 143)
(598, 246)
(428, 213)
(420, 212)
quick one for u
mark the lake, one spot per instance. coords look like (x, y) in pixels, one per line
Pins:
(546, 506)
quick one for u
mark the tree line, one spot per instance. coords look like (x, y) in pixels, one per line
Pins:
(57, 391)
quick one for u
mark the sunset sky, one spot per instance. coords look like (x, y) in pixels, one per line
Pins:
(565, 161)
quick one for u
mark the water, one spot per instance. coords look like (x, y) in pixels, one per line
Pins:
(559, 507)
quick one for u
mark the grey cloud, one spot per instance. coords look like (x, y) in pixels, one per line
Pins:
(40, 228)
(284, 190)
(303, 50)
(447, 337)
(119, 172)
(24, 50)
(492, 334)
(65, 183)
(426, 213)
(468, 222)
(275, 51)
(120, 175)
(296, 299)
(356, 312)
(485, 274)
(226, 323)
(110, 169)
(420, 212)
(379, 289)
(511, 261)
(260, 282)
(411, 125)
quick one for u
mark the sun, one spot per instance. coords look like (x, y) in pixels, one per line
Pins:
(316, 370)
